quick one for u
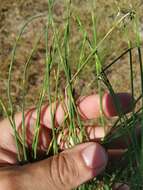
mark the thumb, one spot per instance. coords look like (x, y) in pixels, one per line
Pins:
(68, 169)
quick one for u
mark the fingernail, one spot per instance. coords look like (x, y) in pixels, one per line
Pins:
(109, 107)
(94, 156)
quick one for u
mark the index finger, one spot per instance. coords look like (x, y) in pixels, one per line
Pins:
(89, 107)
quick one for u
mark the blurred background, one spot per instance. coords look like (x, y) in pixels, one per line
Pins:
(14, 13)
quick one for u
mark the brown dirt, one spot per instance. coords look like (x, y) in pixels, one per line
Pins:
(13, 13)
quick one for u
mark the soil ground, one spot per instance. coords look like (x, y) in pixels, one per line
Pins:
(13, 13)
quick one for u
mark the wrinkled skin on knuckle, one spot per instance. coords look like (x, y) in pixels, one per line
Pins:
(64, 172)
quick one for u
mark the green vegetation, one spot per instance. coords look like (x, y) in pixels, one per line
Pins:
(64, 66)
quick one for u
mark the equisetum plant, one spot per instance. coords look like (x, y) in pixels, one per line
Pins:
(31, 136)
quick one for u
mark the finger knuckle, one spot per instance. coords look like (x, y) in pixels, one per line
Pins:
(66, 170)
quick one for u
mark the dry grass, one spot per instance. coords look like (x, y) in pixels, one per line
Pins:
(14, 13)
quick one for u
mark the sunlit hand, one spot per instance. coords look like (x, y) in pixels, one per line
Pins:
(71, 167)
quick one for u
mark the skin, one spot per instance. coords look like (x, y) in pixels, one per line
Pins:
(71, 167)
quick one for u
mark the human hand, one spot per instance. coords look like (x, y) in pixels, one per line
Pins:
(71, 167)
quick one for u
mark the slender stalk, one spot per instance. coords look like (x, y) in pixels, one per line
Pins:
(16, 136)
(98, 66)
(98, 45)
(23, 96)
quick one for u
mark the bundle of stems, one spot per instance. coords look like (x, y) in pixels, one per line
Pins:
(125, 125)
